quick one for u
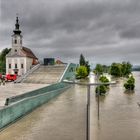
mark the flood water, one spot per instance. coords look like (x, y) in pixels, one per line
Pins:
(64, 118)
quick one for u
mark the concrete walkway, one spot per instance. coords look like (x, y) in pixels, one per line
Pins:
(11, 89)
(46, 74)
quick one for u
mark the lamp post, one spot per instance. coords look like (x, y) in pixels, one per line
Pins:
(88, 101)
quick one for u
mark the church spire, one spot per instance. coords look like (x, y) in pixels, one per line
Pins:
(17, 31)
(17, 23)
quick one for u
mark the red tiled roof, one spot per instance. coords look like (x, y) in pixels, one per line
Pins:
(59, 62)
(28, 53)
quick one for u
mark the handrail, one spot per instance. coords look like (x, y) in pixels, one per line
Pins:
(64, 72)
(44, 90)
(69, 72)
(20, 79)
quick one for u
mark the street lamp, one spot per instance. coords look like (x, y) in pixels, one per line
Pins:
(88, 101)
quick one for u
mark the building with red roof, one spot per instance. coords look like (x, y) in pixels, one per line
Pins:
(20, 59)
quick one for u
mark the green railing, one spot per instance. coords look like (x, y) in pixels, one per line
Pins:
(35, 92)
(69, 73)
(21, 105)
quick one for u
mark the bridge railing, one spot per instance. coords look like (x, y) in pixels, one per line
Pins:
(43, 90)
(21, 105)
(20, 79)
(69, 72)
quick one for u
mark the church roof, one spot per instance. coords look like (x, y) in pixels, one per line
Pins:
(28, 53)
(17, 30)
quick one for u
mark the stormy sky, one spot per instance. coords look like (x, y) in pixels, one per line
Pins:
(102, 30)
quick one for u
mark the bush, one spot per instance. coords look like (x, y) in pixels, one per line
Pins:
(101, 90)
(121, 69)
(98, 69)
(130, 83)
(81, 72)
(116, 69)
(104, 79)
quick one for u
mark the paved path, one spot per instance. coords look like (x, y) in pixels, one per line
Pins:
(12, 89)
(62, 118)
(46, 74)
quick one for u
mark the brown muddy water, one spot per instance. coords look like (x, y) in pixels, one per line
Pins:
(64, 118)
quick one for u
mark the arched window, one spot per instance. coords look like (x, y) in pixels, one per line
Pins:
(20, 41)
(15, 66)
(15, 41)
(9, 66)
(22, 66)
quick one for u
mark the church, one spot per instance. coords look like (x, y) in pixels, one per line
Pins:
(20, 59)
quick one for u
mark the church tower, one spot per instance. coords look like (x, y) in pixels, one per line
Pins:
(16, 37)
(20, 59)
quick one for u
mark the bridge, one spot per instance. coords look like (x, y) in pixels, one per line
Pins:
(23, 103)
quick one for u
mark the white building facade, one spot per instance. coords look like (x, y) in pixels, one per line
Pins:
(20, 59)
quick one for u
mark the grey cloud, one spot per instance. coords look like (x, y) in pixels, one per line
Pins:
(132, 33)
(67, 28)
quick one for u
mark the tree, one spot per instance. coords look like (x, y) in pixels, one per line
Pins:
(116, 69)
(98, 69)
(121, 69)
(88, 67)
(106, 68)
(4, 53)
(126, 68)
(82, 61)
(130, 83)
(104, 79)
(102, 89)
(85, 63)
(3, 60)
(81, 72)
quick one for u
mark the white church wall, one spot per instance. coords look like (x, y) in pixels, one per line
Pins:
(29, 62)
(16, 60)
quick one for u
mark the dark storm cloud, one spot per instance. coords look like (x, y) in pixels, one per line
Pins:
(101, 29)
(132, 33)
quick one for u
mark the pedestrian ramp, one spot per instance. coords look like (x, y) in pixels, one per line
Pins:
(46, 74)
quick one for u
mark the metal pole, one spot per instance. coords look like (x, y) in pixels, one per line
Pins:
(88, 114)
(98, 104)
(88, 102)
(98, 97)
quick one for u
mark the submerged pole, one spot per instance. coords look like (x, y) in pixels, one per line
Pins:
(88, 114)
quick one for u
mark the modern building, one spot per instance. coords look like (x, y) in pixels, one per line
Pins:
(20, 59)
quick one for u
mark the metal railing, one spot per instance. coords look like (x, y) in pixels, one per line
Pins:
(20, 79)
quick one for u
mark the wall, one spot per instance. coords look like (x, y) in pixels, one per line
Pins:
(29, 62)
(13, 61)
(21, 107)
(43, 90)
(69, 73)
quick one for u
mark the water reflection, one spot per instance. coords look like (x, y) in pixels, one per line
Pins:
(92, 77)
(64, 118)
(119, 119)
